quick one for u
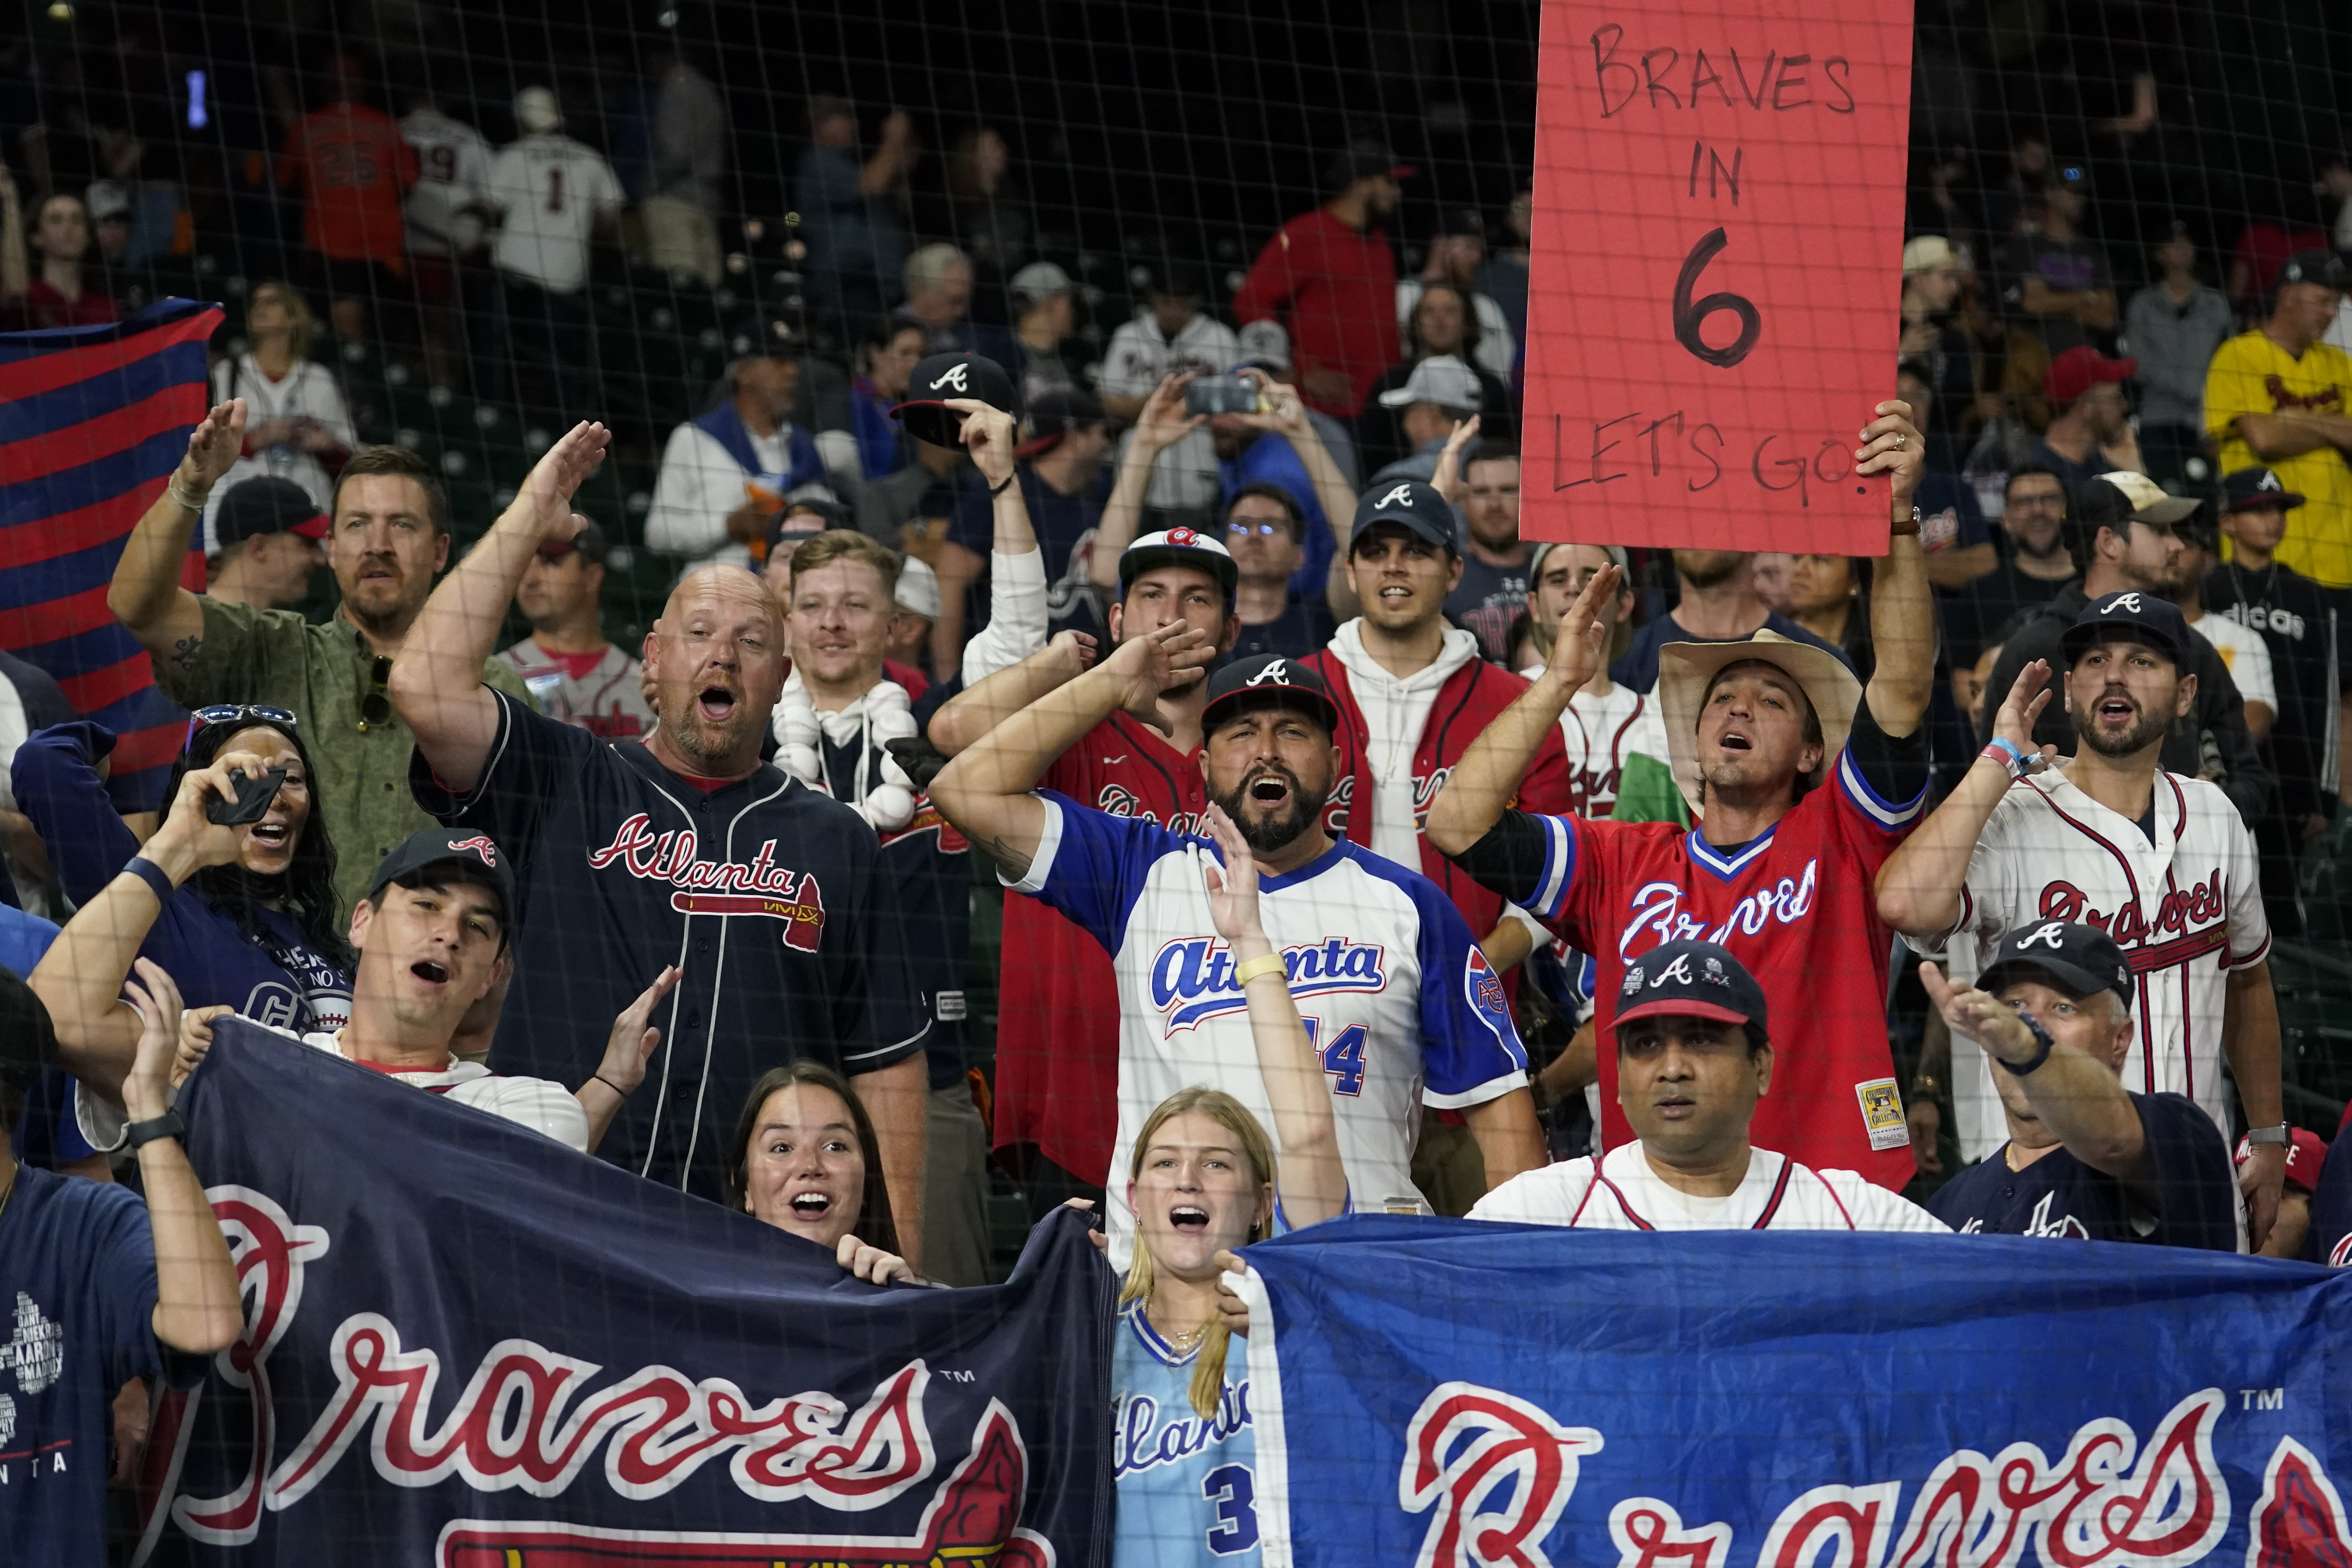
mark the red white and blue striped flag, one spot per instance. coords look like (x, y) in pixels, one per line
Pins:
(92, 422)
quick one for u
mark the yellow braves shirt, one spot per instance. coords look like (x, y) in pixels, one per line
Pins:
(2251, 374)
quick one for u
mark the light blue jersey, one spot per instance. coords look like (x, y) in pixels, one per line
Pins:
(1187, 1491)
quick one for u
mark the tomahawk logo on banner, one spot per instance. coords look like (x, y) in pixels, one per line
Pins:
(1451, 1395)
(1716, 264)
(468, 1347)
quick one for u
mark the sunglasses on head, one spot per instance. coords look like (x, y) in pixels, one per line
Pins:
(222, 719)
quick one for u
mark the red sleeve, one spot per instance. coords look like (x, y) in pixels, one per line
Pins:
(1271, 280)
(1582, 915)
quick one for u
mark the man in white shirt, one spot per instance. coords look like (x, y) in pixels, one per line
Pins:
(1694, 1056)
(577, 676)
(1172, 336)
(1455, 252)
(1603, 723)
(432, 936)
(725, 474)
(444, 224)
(553, 194)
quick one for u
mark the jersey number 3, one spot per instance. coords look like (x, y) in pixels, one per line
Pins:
(1235, 1493)
(1343, 1058)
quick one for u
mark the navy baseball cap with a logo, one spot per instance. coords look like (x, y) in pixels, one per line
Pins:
(1691, 979)
(2250, 488)
(1277, 682)
(1412, 505)
(957, 374)
(483, 860)
(2135, 614)
(2082, 960)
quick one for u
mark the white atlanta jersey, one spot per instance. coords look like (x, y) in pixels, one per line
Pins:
(1621, 1191)
(550, 190)
(2186, 907)
(1400, 1002)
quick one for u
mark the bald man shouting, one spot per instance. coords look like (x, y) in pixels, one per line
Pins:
(685, 849)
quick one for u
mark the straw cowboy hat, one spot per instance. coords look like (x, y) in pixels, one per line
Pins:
(1686, 668)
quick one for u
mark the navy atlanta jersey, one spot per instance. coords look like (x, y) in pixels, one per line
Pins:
(2189, 1200)
(1400, 1002)
(767, 894)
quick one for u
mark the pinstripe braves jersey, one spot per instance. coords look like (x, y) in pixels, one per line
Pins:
(2186, 907)
(766, 893)
(1399, 1002)
(1796, 904)
(1621, 1191)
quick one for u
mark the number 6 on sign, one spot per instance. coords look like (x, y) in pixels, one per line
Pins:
(1343, 1058)
(1690, 315)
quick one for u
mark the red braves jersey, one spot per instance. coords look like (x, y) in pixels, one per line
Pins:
(1798, 907)
(1057, 1027)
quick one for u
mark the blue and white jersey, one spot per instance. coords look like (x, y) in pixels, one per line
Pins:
(1187, 1488)
(1401, 1005)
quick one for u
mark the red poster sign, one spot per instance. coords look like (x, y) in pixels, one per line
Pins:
(1712, 305)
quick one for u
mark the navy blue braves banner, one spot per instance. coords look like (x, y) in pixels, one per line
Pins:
(1451, 1395)
(468, 1347)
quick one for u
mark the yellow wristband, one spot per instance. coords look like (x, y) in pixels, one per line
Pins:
(1265, 964)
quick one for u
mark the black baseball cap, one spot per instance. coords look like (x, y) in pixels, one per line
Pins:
(589, 544)
(1363, 159)
(1691, 979)
(2135, 614)
(1276, 681)
(251, 508)
(2321, 267)
(803, 518)
(1412, 505)
(765, 334)
(483, 860)
(2256, 487)
(959, 372)
(1057, 411)
(2082, 959)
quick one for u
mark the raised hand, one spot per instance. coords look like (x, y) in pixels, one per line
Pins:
(1979, 1016)
(1233, 886)
(188, 835)
(633, 1041)
(1448, 479)
(1163, 421)
(1285, 411)
(1580, 642)
(987, 435)
(214, 447)
(2028, 696)
(1892, 445)
(147, 1091)
(1175, 655)
(557, 476)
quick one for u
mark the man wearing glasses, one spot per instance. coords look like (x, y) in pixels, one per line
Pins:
(390, 536)
(2123, 526)
(1265, 530)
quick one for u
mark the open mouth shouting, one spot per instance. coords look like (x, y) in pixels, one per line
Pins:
(271, 832)
(2117, 708)
(715, 703)
(1734, 739)
(1271, 790)
(809, 1206)
(430, 971)
(1188, 1219)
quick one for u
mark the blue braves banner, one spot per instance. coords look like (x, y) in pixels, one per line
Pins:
(1451, 1395)
(468, 1347)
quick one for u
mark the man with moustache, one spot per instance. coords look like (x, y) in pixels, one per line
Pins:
(1400, 1004)
(684, 849)
(389, 535)
(2162, 862)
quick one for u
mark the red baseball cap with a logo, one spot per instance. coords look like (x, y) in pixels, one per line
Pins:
(1178, 547)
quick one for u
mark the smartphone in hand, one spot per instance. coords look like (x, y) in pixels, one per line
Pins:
(252, 802)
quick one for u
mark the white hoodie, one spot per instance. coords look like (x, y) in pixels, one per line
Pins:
(1396, 712)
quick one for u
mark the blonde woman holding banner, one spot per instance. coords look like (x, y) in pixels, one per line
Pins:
(1205, 1179)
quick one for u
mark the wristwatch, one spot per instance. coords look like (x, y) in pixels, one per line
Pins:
(1899, 526)
(2283, 1133)
(167, 1125)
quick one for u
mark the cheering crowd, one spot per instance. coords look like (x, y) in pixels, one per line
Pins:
(1348, 854)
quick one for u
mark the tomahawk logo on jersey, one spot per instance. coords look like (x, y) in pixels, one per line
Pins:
(1796, 905)
(1400, 1002)
(2185, 906)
